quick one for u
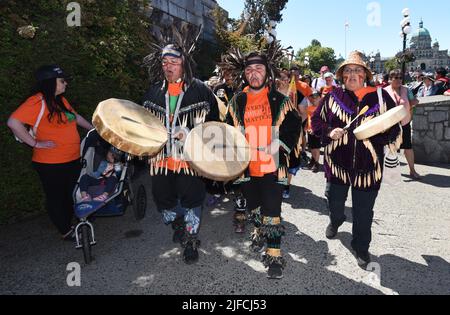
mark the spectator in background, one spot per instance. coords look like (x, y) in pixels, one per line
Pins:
(442, 82)
(403, 96)
(329, 80)
(416, 85)
(320, 82)
(428, 88)
(385, 82)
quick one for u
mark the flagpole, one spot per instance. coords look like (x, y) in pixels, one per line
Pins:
(346, 29)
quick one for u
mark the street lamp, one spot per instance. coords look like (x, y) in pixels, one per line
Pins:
(406, 29)
(372, 61)
(289, 54)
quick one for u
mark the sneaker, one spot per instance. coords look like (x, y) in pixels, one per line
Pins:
(275, 271)
(305, 157)
(363, 259)
(101, 198)
(190, 253)
(331, 231)
(315, 168)
(286, 194)
(309, 165)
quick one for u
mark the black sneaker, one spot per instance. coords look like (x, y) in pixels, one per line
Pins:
(190, 253)
(275, 271)
(316, 167)
(331, 231)
(363, 259)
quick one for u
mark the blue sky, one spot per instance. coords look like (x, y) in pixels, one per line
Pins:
(304, 20)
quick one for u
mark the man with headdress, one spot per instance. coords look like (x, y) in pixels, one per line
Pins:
(272, 130)
(181, 102)
(349, 162)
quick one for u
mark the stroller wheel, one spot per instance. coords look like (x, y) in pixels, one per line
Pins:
(140, 203)
(86, 243)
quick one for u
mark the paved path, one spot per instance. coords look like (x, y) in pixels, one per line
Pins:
(411, 244)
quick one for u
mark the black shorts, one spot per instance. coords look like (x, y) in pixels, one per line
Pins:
(264, 192)
(407, 142)
(314, 142)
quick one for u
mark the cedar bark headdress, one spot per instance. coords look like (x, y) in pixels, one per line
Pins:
(176, 42)
(235, 62)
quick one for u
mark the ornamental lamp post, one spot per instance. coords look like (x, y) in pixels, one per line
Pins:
(406, 29)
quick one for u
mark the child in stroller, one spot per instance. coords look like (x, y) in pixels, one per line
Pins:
(107, 174)
(104, 188)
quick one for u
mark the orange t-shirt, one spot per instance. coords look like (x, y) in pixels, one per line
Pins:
(326, 90)
(258, 132)
(64, 135)
(364, 91)
(175, 88)
(304, 88)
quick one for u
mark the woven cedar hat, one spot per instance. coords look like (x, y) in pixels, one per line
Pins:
(355, 58)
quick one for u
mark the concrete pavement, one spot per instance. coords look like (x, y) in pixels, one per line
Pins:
(411, 249)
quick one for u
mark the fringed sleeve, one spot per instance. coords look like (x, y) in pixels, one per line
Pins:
(319, 121)
(290, 126)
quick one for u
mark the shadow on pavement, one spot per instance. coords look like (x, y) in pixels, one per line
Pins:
(431, 179)
(302, 198)
(409, 278)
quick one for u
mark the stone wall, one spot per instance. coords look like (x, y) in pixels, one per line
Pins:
(431, 130)
(168, 12)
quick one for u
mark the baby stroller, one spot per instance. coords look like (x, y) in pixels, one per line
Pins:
(93, 151)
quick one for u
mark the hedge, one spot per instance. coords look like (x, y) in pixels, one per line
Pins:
(103, 56)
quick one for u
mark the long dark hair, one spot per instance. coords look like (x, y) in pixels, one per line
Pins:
(55, 104)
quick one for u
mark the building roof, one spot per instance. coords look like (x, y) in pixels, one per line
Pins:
(421, 32)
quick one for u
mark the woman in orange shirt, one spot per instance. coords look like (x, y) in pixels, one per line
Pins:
(56, 145)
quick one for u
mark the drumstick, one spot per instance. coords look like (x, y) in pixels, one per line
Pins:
(362, 112)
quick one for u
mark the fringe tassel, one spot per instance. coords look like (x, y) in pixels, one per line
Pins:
(255, 216)
(273, 231)
(285, 108)
(267, 260)
(234, 117)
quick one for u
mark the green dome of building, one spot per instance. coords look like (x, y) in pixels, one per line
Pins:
(421, 32)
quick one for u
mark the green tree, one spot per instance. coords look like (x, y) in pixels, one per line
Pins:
(318, 56)
(391, 64)
(231, 33)
(259, 12)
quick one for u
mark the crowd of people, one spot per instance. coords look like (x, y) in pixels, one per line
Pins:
(284, 115)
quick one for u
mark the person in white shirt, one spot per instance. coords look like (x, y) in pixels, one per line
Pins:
(320, 82)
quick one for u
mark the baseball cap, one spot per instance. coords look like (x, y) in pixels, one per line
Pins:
(49, 72)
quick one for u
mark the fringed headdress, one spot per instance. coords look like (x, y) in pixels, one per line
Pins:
(236, 62)
(173, 42)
